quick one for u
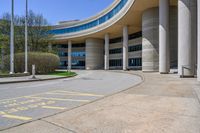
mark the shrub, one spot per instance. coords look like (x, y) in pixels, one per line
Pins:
(44, 62)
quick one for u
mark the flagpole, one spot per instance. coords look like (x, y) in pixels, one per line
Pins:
(26, 39)
(12, 40)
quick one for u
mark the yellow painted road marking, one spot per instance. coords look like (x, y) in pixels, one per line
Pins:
(58, 99)
(62, 91)
(53, 107)
(77, 93)
(2, 113)
(74, 94)
(11, 99)
(17, 117)
(21, 97)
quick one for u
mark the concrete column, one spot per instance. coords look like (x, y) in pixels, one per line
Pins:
(198, 57)
(185, 45)
(69, 55)
(106, 56)
(164, 57)
(150, 40)
(94, 54)
(125, 48)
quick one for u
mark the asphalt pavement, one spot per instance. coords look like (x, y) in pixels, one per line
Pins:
(24, 102)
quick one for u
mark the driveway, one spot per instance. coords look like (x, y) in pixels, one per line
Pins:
(24, 102)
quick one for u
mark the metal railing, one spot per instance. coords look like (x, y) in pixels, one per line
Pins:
(187, 67)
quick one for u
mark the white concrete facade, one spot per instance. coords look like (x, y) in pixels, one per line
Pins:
(198, 34)
(69, 55)
(186, 62)
(125, 47)
(94, 54)
(169, 37)
(150, 40)
(106, 56)
(164, 57)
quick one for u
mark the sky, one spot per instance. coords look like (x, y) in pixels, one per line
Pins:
(58, 10)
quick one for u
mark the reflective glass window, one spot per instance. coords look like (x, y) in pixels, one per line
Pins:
(94, 23)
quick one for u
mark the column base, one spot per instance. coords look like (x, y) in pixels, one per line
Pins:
(164, 72)
(185, 76)
(12, 73)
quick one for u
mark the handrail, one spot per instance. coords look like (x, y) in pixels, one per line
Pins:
(183, 68)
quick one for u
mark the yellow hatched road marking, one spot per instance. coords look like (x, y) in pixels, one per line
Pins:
(11, 99)
(57, 91)
(16, 117)
(2, 113)
(75, 94)
(21, 97)
(58, 99)
(53, 107)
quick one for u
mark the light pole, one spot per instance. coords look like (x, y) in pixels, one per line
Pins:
(198, 37)
(26, 39)
(12, 39)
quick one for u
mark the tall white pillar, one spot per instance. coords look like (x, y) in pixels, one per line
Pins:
(125, 48)
(106, 56)
(198, 37)
(69, 55)
(185, 58)
(12, 40)
(164, 58)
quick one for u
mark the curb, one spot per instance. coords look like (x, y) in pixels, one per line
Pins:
(35, 80)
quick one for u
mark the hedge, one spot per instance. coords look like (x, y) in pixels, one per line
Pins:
(44, 62)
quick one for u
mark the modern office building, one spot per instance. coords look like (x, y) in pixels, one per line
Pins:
(152, 35)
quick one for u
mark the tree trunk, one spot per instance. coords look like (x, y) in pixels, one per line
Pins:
(2, 57)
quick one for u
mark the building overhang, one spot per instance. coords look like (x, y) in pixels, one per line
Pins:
(130, 15)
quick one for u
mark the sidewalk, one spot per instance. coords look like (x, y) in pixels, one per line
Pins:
(161, 104)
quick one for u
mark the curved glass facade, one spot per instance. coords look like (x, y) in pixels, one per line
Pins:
(93, 23)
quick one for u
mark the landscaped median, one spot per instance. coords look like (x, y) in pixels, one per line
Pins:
(45, 68)
(63, 73)
(50, 76)
(5, 74)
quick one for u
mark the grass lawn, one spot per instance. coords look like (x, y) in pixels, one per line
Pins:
(4, 72)
(63, 73)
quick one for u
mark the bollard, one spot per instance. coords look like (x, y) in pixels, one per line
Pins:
(33, 72)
